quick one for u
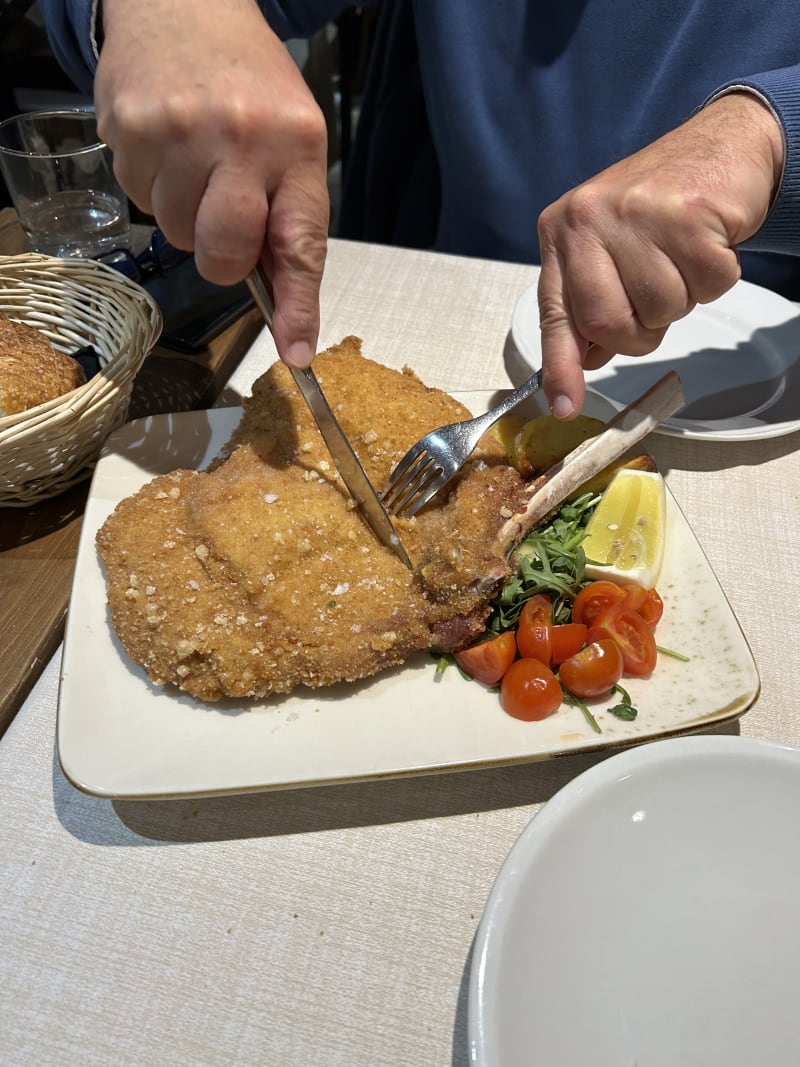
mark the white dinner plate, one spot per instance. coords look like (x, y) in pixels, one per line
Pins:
(738, 359)
(648, 917)
(119, 735)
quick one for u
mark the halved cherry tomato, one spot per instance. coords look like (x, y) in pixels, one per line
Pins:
(634, 596)
(565, 640)
(594, 599)
(488, 661)
(533, 627)
(533, 641)
(536, 611)
(530, 691)
(594, 670)
(634, 637)
(645, 602)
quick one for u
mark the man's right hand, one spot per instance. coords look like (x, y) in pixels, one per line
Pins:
(215, 133)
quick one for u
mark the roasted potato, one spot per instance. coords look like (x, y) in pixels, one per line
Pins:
(599, 482)
(535, 445)
(505, 432)
(543, 441)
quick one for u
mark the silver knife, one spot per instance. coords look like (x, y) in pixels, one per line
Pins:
(347, 462)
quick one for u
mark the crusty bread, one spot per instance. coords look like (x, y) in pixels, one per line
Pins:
(31, 370)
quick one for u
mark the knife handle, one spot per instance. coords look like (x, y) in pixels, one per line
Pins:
(262, 294)
(260, 287)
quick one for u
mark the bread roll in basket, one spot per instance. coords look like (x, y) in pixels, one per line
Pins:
(52, 446)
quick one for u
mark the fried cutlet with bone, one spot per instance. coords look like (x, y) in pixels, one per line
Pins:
(260, 575)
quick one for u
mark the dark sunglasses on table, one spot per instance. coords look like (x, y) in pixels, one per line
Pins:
(159, 258)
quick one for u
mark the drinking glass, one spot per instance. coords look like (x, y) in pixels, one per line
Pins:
(61, 181)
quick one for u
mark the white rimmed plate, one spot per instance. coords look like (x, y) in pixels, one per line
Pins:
(738, 359)
(648, 916)
(120, 736)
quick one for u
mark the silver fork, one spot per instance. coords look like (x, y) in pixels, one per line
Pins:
(430, 464)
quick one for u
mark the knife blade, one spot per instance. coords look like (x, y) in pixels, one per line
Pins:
(347, 462)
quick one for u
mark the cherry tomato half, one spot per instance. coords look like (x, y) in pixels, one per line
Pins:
(533, 641)
(645, 602)
(594, 599)
(530, 691)
(634, 637)
(488, 661)
(536, 611)
(594, 670)
(533, 627)
(565, 640)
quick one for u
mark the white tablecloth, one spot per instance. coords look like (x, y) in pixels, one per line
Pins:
(332, 925)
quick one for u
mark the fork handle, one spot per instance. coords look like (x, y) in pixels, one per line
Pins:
(522, 392)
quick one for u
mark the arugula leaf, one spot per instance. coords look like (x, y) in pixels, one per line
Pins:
(549, 560)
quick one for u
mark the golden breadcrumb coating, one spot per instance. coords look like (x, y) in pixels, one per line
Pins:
(260, 575)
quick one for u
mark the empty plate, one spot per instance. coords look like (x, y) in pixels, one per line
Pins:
(738, 359)
(648, 916)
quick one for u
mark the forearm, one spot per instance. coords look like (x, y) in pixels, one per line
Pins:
(780, 92)
(75, 27)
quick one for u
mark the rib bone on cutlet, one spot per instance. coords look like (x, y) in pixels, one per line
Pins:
(592, 456)
(546, 493)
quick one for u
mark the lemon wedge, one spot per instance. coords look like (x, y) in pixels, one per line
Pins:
(625, 536)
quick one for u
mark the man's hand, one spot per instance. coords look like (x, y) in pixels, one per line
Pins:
(215, 133)
(635, 248)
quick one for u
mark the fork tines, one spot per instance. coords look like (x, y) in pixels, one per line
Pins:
(413, 482)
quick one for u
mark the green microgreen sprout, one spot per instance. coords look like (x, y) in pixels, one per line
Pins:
(675, 655)
(576, 702)
(625, 709)
(442, 663)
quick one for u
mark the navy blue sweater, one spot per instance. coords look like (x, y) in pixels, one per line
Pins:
(526, 99)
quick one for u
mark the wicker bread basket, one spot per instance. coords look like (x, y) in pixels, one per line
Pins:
(74, 303)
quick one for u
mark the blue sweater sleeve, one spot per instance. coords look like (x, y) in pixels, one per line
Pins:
(71, 31)
(500, 163)
(71, 26)
(781, 90)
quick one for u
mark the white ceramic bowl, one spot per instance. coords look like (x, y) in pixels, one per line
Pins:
(649, 916)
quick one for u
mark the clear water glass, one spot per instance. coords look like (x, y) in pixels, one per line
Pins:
(61, 181)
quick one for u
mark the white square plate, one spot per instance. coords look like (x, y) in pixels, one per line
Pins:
(120, 736)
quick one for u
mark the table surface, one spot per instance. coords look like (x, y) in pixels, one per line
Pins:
(332, 925)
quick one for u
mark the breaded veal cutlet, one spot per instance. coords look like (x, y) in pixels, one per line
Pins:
(260, 575)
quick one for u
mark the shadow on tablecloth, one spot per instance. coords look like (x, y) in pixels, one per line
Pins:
(322, 808)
